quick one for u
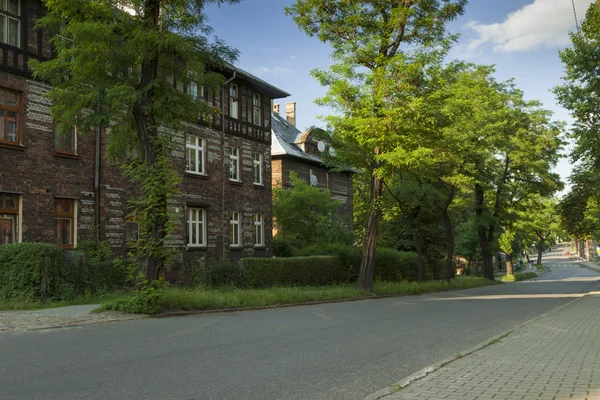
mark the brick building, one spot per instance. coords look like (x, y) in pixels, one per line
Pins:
(294, 150)
(61, 189)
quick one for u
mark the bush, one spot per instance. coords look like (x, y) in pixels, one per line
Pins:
(282, 247)
(30, 271)
(293, 271)
(94, 277)
(144, 301)
(216, 273)
(94, 251)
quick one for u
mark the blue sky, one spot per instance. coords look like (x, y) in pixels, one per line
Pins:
(521, 37)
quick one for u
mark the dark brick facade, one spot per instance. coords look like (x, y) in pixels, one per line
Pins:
(33, 170)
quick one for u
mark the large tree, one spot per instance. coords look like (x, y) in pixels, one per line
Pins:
(124, 65)
(380, 48)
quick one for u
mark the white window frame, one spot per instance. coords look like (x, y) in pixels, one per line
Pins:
(257, 161)
(234, 164)
(256, 108)
(198, 225)
(7, 16)
(259, 230)
(234, 101)
(235, 229)
(198, 146)
(193, 90)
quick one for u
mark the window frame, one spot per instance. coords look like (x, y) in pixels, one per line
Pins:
(8, 109)
(234, 99)
(198, 147)
(199, 224)
(235, 222)
(15, 213)
(66, 215)
(259, 224)
(256, 107)
(257, 164)
(61, 150)
(235, 159)
(8, 16)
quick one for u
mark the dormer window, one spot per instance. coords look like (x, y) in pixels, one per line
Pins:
(10, 22)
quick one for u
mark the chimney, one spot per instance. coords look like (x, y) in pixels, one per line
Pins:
(276, 108)
(290, 113)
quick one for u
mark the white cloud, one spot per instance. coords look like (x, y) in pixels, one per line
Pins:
(262, 71)
(543, 23)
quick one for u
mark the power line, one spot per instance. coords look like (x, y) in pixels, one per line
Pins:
(575, 14)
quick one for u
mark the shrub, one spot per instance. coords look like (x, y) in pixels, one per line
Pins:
(93, 277)
(30, 271)
(393, 265)
(94, 251)
(216, 273)
(282, 247)
(293, 271)
(144, 300)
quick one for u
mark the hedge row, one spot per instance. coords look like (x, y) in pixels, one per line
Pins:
(294, 271)
(44, 271)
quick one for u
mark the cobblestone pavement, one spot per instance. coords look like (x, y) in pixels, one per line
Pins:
(555, 357)
(14, 321)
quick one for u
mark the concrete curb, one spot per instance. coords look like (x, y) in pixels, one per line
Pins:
(432, 368)
(170, 314)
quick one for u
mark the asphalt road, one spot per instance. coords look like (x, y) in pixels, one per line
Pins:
(332, 351)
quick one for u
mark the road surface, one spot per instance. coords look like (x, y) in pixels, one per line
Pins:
(331, 351)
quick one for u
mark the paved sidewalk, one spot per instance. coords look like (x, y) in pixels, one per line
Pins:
(14, 321)
(555, 357)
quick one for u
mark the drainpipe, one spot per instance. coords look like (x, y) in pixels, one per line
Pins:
(223, 225)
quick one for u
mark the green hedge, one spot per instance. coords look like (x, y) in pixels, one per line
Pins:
(30, 271)
(294, 271)
(33, 271)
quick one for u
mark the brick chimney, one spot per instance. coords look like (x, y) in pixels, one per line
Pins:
(290, 113)
(276, 108)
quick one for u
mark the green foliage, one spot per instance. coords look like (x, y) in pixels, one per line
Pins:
(30, 271)
(539, 267)
(525, 275)
(305, 214)
(215, 273)
(294, 271)
(145, 300)
(95, 251)
(283, 247)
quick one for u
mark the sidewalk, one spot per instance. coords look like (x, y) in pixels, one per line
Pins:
(14, 321)
(555, 357)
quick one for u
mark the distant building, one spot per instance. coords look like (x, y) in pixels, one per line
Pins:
(294, 150)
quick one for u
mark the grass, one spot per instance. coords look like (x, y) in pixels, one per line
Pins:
(27, 304)
(202, 298)
(539, 267)
(518, 277)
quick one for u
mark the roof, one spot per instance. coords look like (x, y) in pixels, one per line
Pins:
(283, 137)
(273, 91)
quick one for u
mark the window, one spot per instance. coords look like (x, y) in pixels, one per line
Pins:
(235, 237)
(234, 164)
(233, 101)
(10, 22)
(259, 232)
(196, 227)
(195, 155)
(132, 231)
(256, 112)
(195, 91)
(64, 222)
(9, 218)
(9, 115)
(257, 167)
(66, 143)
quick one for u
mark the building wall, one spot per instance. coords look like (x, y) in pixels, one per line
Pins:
(339, 184)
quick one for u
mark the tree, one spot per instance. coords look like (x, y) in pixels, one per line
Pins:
(380, 48)
(124, 65)
(306, 214)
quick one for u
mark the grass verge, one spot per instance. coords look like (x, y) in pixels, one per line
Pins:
(201, 298)
(518, 277)
(84, 299)
(539, 267)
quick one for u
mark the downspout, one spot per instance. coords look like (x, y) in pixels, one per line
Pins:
(223, 225)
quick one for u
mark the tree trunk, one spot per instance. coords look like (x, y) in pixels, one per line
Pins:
(540, 249)
(418, 238)
(367, 265)
(147, 132)
(484, 240)
(509, 265)
(450, 270)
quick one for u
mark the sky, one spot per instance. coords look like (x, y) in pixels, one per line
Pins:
(522, 38)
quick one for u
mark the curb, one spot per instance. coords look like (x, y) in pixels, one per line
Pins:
(74, 325)
(170, 314)
(434, 367)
